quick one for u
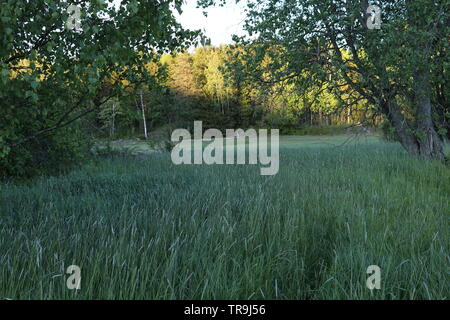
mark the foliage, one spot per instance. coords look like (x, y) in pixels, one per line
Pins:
(51, 77)
(216, 85)
(400, 69)
(51, 154)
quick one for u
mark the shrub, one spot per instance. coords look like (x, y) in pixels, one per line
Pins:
(51, 154)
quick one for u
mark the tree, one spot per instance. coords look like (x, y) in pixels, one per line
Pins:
(52, 76)
(396, 68)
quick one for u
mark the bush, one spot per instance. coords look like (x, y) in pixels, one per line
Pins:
(51, 154)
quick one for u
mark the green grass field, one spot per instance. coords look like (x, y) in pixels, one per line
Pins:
(142, 228)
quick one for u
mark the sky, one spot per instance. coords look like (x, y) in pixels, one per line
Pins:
(220, 24)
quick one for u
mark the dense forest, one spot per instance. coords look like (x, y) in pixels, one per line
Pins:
(209, 85)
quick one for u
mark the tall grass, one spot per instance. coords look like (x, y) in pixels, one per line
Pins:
(146, 229)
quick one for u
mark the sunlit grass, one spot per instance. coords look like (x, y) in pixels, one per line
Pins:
(146, 229)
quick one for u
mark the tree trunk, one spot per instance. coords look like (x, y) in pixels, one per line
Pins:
(430, 144)
(113, 116)
(418, 137)
(404, 132)
(143, 116)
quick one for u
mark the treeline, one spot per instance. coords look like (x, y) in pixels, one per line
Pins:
(212, 85)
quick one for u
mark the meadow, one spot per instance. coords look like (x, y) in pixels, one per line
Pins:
(143, 228)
